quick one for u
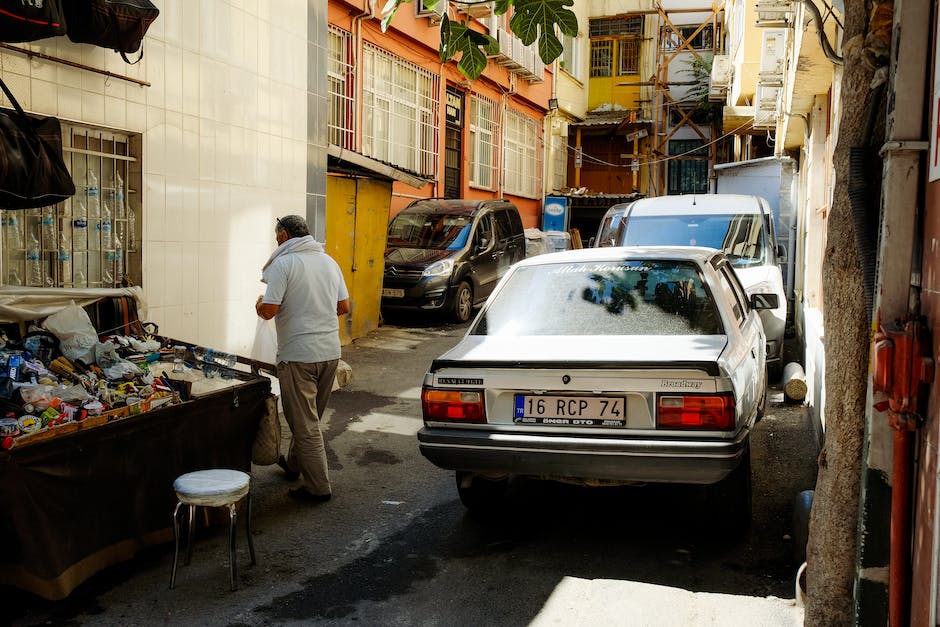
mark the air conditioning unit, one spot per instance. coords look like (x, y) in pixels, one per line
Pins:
(434, 15)
(773, 57)
(479, 10)
(766, 101)
(722, 72)
(771, 13)
(509, 49)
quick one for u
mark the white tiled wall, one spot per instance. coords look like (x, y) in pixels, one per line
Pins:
(224, 126)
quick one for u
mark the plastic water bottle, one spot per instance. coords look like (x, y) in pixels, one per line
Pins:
(48, 228)
(65, 261)
(94, 208)
(218, 358)
(80, 226)
(119, 197)
(118, 261)
(104, 226)
(14, 233)
(131, 228)
(34, 274)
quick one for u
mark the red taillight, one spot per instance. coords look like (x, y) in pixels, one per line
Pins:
(454, 405)
(695, 411)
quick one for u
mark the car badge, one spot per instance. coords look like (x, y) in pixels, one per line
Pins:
(391, 270)
(566, 379)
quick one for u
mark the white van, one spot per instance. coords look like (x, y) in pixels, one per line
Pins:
(740, 226)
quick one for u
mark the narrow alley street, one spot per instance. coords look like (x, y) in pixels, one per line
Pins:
(396, 547)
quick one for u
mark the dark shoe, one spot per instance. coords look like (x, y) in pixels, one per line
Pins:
(290, 475)
(304, 495)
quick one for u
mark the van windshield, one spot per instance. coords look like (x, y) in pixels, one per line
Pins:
(434, 231)
(739, 236)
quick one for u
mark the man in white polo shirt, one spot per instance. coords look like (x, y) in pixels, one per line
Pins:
(305, 295)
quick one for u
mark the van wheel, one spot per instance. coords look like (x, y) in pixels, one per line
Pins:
(463, 302)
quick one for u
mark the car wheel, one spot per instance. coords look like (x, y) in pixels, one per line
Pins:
(479, 494)
(731, 498)
(463, 302)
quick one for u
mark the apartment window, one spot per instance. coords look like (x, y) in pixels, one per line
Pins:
(93, 238)
(688, 171)
(629, 56)
(399, 112)
(340, 76)
(704, 40)
(483, 142)
(522, 155)
(571, 56)
(602, 55)
(616, 26)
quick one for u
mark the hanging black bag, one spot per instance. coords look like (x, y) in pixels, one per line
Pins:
(32, 171)
(116, 24)
(29, 20)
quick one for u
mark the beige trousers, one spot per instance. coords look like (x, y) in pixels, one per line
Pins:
(305, 391)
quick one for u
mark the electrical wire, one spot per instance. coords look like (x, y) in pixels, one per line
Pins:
(664, 159)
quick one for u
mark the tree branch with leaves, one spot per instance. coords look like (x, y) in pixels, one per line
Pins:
(532, 20)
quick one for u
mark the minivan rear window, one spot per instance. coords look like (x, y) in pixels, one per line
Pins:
(739, 236)
(434, 231)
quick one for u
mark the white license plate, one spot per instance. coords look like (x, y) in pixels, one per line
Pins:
(393, 293)
(578, 411)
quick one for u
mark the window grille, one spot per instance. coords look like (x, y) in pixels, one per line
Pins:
(522, 155)
(341, 80)
(93, 238)
(614, 26)
(560, 167)
(602, 54)
(704, 40)
(629, 56)
(483, 142)
(688, 174)
(399, 112)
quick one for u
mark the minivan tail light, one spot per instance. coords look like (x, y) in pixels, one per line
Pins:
(453, 405)
(695, 411)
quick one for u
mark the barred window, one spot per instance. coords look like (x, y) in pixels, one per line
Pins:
(399, 112)
(91, 239)
(629, 56)
(602, 55)
(560, 167)
(522, 155)
(613, 26)
(688, 172)
(704, 40)
(483, 142)
(341, 81)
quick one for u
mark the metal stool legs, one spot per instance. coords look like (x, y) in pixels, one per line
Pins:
(233, 525)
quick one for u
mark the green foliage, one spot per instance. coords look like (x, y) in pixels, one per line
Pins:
(532, 20)
(701, 70)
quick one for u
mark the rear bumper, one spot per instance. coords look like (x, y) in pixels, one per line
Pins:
(611, 459)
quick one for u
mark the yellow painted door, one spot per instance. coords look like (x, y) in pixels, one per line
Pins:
(356, 222)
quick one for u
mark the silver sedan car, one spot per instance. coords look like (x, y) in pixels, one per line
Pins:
(605, 366)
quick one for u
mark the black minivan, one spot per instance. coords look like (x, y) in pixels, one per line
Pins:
(447, 255)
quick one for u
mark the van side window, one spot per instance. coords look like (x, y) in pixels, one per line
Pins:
(503, 225)
(483, 236)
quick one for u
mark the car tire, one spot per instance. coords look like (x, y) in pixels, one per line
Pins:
(731, 498)
(479, 494)
(463, 302)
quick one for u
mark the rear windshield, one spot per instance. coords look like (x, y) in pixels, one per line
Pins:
(739, 236)
(437, 231)
(602, 298)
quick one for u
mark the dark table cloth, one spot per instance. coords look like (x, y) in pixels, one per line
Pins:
(74, 504)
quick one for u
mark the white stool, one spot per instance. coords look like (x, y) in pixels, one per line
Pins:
(218, 487)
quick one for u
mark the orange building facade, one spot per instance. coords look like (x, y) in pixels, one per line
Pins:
(393, 103)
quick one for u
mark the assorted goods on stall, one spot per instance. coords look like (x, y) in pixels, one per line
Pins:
(63, 377)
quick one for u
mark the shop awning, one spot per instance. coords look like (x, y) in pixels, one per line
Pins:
(373, 167)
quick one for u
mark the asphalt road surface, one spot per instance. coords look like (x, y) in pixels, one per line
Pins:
(396, 547)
